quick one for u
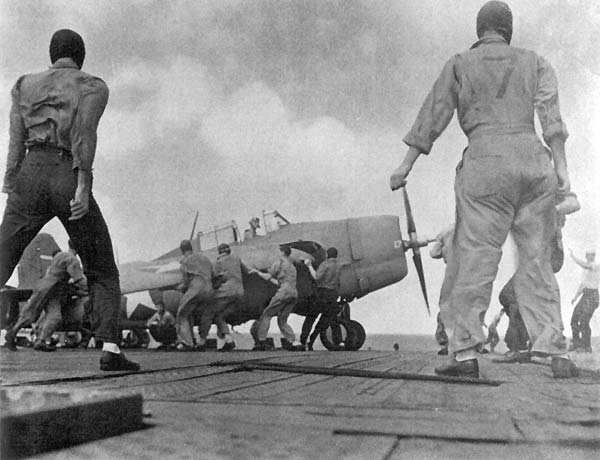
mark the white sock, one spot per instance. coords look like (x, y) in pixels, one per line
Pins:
(111, 347)
(467, 354)
(228, 338)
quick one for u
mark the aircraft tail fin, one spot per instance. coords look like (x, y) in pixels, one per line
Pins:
(35, 260)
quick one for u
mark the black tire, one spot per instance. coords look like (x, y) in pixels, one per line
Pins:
(337, 336)
(358, 336)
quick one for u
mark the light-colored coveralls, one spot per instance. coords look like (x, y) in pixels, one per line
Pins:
(282, 303)
(197, 271)
(231, 292)
(505, 182)
(49, 292)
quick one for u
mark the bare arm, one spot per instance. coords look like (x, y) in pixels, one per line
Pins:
(83, 142)
(16, 144)
(582, 263)
(398, 178)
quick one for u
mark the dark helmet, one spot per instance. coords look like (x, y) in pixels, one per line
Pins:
(332, 253)
(185, 245)
(67, 43)
(286, 250)
(224, 248)
(495, 15)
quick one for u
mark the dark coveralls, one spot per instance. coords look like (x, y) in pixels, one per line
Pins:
(53, 122)
(328, 280)
(516, 337)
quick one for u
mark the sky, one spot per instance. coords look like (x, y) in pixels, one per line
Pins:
(231, 107)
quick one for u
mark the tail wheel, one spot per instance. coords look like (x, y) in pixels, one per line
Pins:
(358, 336)
(338, 336)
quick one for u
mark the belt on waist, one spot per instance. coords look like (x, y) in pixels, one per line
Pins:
(501, 129)
(52, 150)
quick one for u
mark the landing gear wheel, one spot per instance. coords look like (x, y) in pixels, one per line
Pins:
(358, 336)
(338, 336)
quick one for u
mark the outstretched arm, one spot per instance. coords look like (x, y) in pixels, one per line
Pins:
(582, 263)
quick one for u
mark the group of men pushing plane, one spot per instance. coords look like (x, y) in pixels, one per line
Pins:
(215, 291)
(507, 181)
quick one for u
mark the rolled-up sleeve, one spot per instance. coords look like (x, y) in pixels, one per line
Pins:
(92, 103)
(546, 103)
(16, 143)
(436, 112)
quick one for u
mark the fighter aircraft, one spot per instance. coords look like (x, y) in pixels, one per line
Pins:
(371, 250)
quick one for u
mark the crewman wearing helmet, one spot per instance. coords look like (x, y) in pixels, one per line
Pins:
(506, 181)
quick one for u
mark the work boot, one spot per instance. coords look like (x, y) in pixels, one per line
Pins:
(10, 342)
(116, 362)
(286, 344)
(512, 357)
(587, 350)
(200, 347)
(263, 346)
(184, 347)
(42, 345)
(468, 368)
(297, 348)
(228, 346)
(563, 368)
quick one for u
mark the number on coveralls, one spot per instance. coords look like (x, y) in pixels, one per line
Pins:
(507, 72)
(504, 84)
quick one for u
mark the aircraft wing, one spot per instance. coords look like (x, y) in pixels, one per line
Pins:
(142, 276)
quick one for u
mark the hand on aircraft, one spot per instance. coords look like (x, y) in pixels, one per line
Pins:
(80, 205)
(308, 262)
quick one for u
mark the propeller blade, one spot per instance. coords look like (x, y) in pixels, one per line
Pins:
(410, 221)
(419, 266)
(414, 245)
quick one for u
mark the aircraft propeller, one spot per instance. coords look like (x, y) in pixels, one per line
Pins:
(414, 244)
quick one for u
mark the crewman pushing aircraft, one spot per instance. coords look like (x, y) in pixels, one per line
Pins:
(51, 293)
(283, 274)
(506, 181)
(197, 272)
(230, 269)
(327, 277)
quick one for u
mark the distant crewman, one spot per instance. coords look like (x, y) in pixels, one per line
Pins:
(585, 308)
(162, 327)
(229, 269)
(64, 277)
(506, 181)
(327, 277)
(250, 233)
(516, 337)
(53, 123)
(283, 274)
(197, 272)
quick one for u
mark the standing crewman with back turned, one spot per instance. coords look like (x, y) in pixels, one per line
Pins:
(53, 121)
(506, 182)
